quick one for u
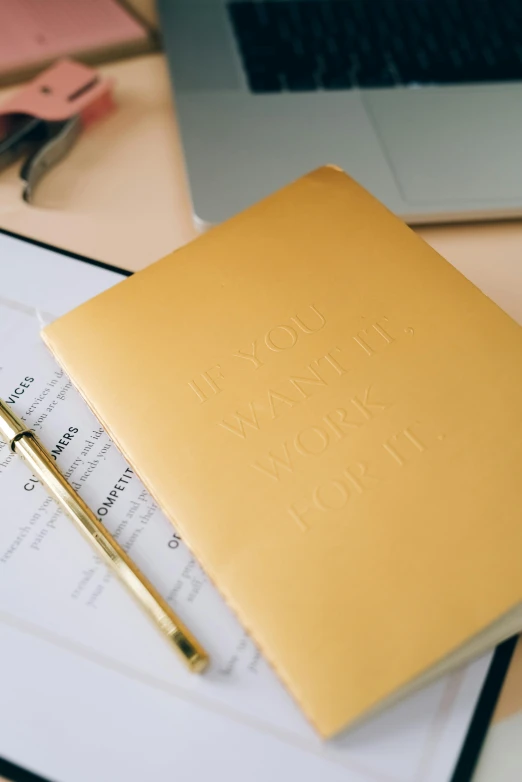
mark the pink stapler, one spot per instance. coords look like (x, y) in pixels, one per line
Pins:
(43, 120)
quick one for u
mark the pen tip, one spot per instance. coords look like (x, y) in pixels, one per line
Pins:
(196, 658)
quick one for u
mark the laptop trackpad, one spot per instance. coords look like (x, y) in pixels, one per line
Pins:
(452, 144)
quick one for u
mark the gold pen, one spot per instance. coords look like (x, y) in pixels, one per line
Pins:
(22, 441)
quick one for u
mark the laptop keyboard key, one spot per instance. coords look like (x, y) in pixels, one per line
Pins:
(340, 44)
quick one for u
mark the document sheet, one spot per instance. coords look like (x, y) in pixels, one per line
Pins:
(89, 689)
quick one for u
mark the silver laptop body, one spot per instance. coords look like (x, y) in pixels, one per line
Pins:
(430, 153)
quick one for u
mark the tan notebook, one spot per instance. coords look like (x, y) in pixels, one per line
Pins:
(330, 415)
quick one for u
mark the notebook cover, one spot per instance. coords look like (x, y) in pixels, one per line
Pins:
(330, 415)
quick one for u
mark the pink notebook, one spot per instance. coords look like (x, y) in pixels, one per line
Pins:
(36, 32)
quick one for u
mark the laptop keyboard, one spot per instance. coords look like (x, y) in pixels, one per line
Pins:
(341, 44)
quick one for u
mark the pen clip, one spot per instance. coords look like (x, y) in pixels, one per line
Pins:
(11, 427)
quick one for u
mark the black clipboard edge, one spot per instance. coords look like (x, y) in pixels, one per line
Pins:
(68, 253)
(14, 773)
(491, 688)
(478, 727)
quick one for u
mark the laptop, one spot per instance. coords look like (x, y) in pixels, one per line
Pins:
(419, 100)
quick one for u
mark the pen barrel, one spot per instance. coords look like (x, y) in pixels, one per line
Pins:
(138, 584)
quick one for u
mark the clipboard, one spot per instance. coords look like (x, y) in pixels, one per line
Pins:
(491, 687)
